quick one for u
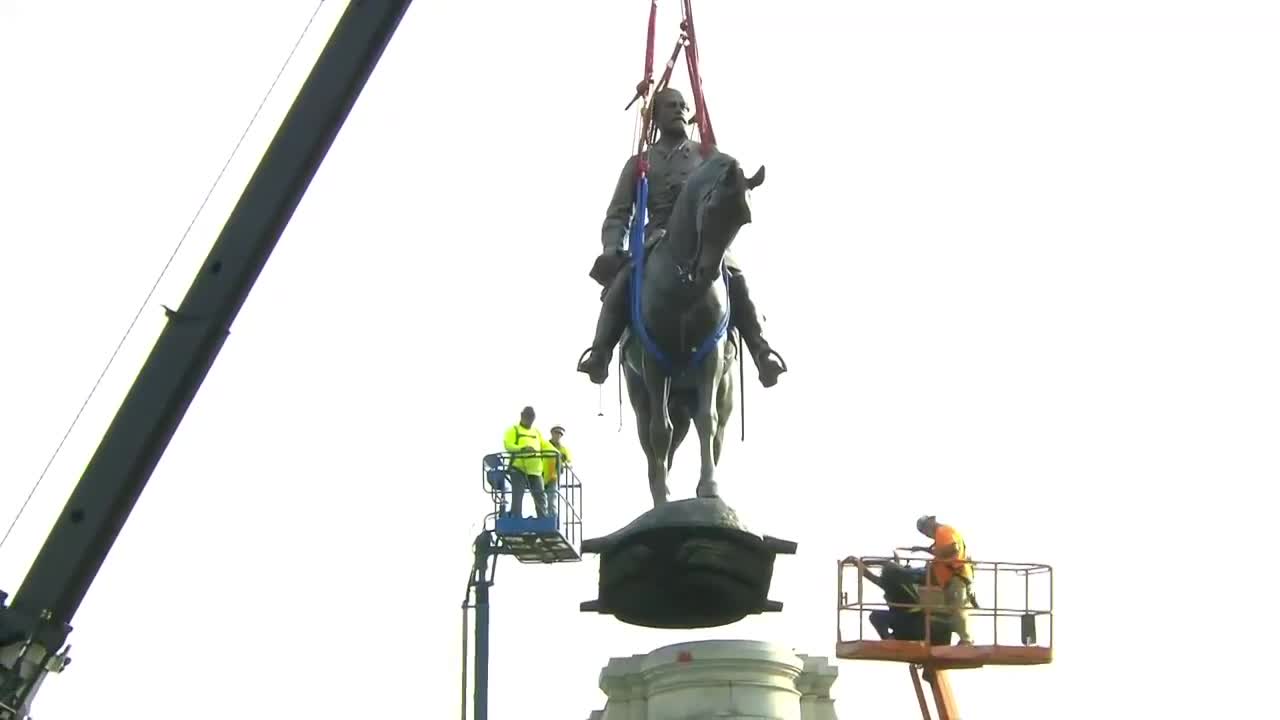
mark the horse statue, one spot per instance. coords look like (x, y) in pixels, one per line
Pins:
(678, 358)
(689, 563)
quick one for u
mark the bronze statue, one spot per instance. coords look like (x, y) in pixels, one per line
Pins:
(681, 367)
(672, 159)
(691, 563)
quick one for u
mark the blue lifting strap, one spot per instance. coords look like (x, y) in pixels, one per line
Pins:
(637, 282)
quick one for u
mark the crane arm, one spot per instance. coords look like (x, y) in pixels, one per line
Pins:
(34, 628)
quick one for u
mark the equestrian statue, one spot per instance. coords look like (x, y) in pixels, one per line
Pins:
(671, 160)
(688, 563)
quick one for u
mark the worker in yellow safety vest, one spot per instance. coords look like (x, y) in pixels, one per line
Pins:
(950, 570)
(527, 447)
(552, 466)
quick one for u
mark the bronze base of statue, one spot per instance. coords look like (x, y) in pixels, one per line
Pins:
(685, 564)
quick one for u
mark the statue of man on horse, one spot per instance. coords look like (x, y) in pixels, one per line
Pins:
(671, 161)
(689, 563)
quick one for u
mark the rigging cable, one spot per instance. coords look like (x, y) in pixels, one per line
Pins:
(163, 270)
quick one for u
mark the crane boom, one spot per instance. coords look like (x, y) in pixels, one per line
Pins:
(35, 626)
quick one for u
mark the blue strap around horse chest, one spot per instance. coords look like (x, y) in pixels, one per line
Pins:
(710, 343)
(637, 282)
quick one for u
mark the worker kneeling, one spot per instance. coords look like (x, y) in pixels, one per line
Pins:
(904, 618)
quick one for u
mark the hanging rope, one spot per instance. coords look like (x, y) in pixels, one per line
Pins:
(146, 301)
(742, 387)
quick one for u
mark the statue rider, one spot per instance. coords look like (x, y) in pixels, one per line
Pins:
(671, 160)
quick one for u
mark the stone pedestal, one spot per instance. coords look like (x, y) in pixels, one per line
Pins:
(720, 680)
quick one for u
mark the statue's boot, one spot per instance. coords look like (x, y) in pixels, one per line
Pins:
(745, 317)
(609, 328)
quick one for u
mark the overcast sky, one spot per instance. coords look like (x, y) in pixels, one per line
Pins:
(1021, 259)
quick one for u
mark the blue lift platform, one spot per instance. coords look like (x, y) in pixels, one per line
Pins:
(557, 537)
(554, 538)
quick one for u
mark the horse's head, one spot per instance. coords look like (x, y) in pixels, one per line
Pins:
(723, 208)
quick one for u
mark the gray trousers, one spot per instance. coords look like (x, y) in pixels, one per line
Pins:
(553, 498)
(956, 595)
(533, 483)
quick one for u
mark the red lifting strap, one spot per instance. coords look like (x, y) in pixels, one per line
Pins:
(642, 87)
(689, 42)
(706, 134)
(642, 90)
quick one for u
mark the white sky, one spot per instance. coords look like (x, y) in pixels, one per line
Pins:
(1044, 233)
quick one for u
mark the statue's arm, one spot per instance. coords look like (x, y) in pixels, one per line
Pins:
(618, 216)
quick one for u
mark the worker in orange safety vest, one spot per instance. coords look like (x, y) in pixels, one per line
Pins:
(950, 570)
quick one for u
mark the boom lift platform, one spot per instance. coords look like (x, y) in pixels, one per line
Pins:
(930, 657)
(555, 538)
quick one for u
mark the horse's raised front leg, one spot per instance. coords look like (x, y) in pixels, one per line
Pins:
(706, 419)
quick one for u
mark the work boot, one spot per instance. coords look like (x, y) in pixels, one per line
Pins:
(744, 316)
(609, 328)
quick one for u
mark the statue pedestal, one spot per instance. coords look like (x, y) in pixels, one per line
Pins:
(686, 564)
(721, 679)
